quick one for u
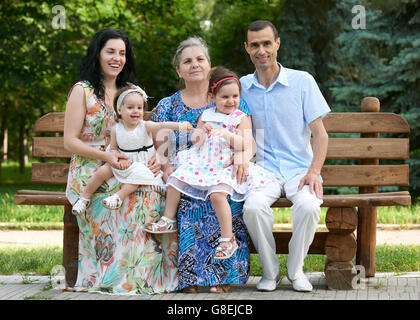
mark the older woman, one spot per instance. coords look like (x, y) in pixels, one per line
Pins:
(198, 226)
(115, 254)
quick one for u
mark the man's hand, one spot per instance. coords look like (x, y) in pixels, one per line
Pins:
(315, 185)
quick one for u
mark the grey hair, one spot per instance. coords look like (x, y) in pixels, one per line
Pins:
(194, 41)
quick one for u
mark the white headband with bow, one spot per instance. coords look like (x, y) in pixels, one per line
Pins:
(124, 94)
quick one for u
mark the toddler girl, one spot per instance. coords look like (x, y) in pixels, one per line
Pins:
(220, 132)
(133, 137)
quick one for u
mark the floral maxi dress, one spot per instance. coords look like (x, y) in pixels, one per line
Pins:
(115, 255)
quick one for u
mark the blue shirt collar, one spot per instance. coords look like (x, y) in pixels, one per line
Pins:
(281, 78)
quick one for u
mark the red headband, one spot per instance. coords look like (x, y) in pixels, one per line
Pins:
(221, 80)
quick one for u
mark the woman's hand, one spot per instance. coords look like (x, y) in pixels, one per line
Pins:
(167, 172)
(154, 165)
(185, 127)
(113, 158)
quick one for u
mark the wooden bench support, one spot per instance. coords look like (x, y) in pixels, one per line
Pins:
(70, 246)
(366, 240)
(340, 248)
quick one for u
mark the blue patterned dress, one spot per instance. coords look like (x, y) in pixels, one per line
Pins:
(198, 226)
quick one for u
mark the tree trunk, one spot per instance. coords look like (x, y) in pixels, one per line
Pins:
(22, 145)
(3, 128)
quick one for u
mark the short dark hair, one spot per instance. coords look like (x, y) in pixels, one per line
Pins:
(218, 73)
(260, 25)
(90, 68)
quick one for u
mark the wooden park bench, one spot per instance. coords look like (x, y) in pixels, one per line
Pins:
(346, 212)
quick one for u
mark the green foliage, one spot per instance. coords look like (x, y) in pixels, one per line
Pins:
(39, 63)
(382, 61)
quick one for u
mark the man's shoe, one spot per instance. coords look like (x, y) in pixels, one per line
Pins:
(301, 283)
(268, 285)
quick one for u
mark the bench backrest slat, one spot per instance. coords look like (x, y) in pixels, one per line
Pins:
(333, 176)
(338, 148)
(365, 175)
(368, 148)
(357, 122)
(365, 122)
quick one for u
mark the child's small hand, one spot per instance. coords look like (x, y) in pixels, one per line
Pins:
(124, 164)
(207, 128)
(219, 132)
(185, 127)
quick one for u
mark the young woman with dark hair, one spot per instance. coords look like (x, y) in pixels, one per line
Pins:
(90, 69)
(115, 254)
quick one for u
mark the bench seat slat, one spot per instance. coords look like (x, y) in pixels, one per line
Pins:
(31, 197)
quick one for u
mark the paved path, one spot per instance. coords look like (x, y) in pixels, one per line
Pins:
(384, 286)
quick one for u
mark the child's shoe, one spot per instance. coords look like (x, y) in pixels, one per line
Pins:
(80, 206)
(225, 252)
(164, 225)
(112, 202)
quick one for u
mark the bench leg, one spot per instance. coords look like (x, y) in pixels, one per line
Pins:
(340, 248)
(70, 246)
(366, 239)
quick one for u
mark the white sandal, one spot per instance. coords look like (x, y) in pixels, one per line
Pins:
(112, 202)
(168, 226)
(228, 251)
(80, 206)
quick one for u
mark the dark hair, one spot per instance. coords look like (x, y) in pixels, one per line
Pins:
(90, 68)
(120, 91)
(218, 73)
(259, 25)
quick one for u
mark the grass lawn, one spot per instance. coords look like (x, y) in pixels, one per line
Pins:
(50, 217)
(41, 260)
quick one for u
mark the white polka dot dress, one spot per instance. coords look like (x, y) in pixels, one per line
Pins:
(201, 171)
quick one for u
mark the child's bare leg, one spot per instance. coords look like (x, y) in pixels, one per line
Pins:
(172, 201)
(102, 174)
(126, 190)
(167, 223)
(227, 243)
(223, 213)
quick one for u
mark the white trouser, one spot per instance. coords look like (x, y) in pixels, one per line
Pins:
(258, 217)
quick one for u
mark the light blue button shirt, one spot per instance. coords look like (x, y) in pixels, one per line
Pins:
(281, 116)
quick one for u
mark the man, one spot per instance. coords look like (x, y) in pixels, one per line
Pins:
(287, 106)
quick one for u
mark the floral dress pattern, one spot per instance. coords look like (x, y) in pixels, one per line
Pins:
(115, 255)
(198, 226)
